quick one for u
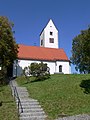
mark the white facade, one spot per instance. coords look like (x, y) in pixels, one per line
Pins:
(49, 36)
(54, 66)
(66, 67)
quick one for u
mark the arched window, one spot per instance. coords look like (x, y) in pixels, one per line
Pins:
(60, 68)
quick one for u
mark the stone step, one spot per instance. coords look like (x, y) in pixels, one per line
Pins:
(21, 97)
(21, 89)
(14, 83)
(28, 100)
(29, 103)
(31, 107)
(32, 110)
(23, 93)
(32, 114)
(33, 118)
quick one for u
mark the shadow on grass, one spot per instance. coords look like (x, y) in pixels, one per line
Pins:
(8, 101)
(31, 81)
(85, 84)
(40, 80)
(35, 80)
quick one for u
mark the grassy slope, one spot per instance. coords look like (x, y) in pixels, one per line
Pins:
(61, 94)
(8, 109)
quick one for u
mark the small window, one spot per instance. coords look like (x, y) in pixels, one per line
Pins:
(51, 40)
(41, 42)
(60, 68)
(51, 33)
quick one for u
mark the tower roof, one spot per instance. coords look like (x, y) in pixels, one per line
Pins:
(50, 21)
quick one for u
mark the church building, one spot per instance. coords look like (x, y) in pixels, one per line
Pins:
(48, 52)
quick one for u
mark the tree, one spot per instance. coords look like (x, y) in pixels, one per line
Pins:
(81, 51)
(40, 71)
(8, 46)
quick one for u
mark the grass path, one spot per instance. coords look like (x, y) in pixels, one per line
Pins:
(8, 109)
(61, 94)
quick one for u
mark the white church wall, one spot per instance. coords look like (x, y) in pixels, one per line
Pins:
(18, 68)
(26, 63)
(65, 67)
(54, 66)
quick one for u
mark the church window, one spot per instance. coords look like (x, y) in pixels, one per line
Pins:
(51, 40)
(51, 33)
(60, 68)
(41, 42)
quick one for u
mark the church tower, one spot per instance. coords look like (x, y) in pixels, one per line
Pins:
(49, 36)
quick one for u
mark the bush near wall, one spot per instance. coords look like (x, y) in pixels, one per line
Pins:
(39, 70)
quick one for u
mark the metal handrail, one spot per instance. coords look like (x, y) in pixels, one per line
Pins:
(17, 96)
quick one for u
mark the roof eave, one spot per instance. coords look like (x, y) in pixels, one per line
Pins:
(40, 59)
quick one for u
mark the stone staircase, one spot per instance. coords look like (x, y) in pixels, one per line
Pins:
(31, 108)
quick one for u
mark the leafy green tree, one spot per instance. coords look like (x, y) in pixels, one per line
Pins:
(8, 46)
(81, 51)
(40, 71)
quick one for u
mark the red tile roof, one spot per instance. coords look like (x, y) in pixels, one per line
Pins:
(41, 53)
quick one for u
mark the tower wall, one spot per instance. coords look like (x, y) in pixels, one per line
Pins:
(49, 36)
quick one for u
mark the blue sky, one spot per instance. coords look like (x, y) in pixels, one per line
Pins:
(30, 16)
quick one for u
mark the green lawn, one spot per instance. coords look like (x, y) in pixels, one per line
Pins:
(61, 94)
(8, 109)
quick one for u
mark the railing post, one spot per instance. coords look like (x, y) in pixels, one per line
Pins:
(18, 106)
(15, 94)
(18, 99)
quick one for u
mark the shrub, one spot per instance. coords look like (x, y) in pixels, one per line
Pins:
(39, 70)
